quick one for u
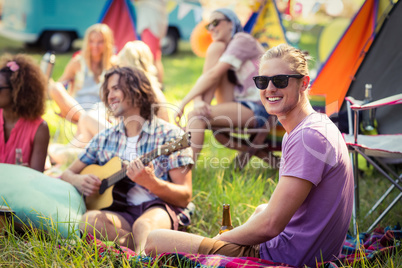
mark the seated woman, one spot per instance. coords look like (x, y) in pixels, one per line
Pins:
(77, 90)
(22, 103)
(230, 63)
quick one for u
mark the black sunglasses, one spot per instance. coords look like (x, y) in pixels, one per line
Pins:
(214, 23)
(1, 88)
(279, 81)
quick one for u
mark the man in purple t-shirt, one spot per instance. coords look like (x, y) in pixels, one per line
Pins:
(308, 214)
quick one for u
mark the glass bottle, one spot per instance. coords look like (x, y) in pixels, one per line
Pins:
(18, 156)
(47, 64)
(368, 115)
(226, 220)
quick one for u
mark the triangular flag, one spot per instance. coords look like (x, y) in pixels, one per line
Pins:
(184, 9)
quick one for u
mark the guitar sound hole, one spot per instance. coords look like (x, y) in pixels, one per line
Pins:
(103, 187)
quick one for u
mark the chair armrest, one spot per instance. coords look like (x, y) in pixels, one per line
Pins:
(392, 100)
(353, 101)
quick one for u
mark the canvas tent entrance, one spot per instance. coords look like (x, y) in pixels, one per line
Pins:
(368, 52)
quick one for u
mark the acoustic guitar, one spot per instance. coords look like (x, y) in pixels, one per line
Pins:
(115, 184)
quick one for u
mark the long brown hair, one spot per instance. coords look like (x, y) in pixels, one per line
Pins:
(136, 87)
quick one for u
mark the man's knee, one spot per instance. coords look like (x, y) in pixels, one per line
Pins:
(142, 224)
(90, 219)
(155, 218)
(150, 245)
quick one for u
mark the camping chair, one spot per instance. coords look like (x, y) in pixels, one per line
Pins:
(378, 150)
(260, 142)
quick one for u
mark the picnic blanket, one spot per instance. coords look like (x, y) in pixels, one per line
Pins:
(371, 246)
(377, 244)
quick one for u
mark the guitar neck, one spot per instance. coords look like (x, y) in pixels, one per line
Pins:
(148, 157)
(166, 149)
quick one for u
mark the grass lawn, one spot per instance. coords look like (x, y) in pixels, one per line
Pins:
(214, 180)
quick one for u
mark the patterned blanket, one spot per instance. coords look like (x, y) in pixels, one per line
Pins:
(371, 246)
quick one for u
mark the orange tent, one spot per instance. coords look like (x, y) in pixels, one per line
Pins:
(336, 75)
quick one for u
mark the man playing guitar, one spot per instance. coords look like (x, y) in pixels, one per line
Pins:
(152, 195)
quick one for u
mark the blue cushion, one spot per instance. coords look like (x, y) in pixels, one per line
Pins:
(40, 199)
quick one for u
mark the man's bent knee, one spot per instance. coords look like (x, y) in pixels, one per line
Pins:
(151, 244)
(89, 220)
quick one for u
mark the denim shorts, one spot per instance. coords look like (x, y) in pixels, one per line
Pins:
(259, 111)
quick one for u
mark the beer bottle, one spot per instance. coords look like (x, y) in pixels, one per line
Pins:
(18, 156)
(368, 115)
(226, 220)
(47, 64)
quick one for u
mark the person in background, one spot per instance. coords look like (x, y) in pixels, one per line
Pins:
(77, 90)
(152, 25)
(231, 62)
(22, 103)
(308, 215)
(154, 194)
(134, 54)
(138, 54)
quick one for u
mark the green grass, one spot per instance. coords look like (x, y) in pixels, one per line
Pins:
(214, 182)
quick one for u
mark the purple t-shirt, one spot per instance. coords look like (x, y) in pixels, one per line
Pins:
(243, 53)
(315, 151)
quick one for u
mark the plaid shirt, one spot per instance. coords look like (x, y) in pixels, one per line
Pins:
(113, 141)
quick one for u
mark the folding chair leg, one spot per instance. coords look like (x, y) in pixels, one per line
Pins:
(355, 212)
(381, 199)
(395, 183)
(384, 213)
(379, 169)
(384, 166)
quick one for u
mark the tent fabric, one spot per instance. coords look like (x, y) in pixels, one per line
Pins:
(266, 25)
(382, 67)
(119, 15)
(336, 75)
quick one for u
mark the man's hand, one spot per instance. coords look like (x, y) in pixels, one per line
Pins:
(140, 174)
(88, 184)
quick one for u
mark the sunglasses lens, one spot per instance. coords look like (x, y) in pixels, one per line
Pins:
(261, 82)
(213, 23)
(280, 81)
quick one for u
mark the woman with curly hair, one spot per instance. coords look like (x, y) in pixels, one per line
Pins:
(77, 90)
(22, 103)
